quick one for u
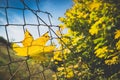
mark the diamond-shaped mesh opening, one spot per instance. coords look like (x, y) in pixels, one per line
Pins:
(14, 22)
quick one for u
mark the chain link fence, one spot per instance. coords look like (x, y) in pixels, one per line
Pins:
(14, 22)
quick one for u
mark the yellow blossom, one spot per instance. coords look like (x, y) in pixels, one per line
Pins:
(69, 73)
(94, 5)
(118, 45)
(101, 52)
(54, 76)
(94, 30)
(62, 26)
(117, 34)
(114, 60)
(61, 19)
(76, 66)
(60, 68)
(57, 56)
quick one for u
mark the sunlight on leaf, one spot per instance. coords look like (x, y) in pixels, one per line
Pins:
(27, 39)
(33, 48)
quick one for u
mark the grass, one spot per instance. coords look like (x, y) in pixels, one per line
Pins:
(20, 69)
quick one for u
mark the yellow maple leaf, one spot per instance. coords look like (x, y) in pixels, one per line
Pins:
(26, 51)
(41, 41)
(27, 39)
(33, 48)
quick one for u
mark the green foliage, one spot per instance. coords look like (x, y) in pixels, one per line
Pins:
(98, 22)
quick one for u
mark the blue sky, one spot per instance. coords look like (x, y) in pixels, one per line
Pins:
(56, 7)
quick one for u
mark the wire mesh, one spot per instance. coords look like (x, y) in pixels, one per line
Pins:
(15, 18)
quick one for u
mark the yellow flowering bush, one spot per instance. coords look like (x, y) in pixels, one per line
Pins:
(93, 34)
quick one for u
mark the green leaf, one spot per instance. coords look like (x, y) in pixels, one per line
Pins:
(99, 45)
(98, 40)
